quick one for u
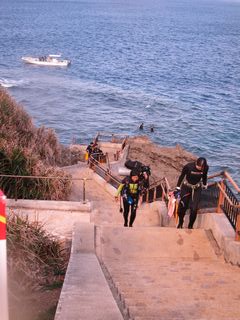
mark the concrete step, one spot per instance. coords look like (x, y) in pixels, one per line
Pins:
(123, 243)
(147, 217)
(85, 293)
(205, 291)
(167, 273)
(202, 310)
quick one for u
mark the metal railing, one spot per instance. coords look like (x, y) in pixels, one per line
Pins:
(209, 197)
(19, 177)
(228, 201)
(112, 137)
(219, 195)
(158, 190)
(230, 204)
(97, 167)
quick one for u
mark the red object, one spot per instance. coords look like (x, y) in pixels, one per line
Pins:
(2, 216)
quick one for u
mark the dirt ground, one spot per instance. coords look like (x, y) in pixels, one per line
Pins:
(163, 161)
(38, 305)
(34, 298)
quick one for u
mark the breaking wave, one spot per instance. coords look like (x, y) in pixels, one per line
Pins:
(9, 83)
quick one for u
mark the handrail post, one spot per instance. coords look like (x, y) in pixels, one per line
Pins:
(108, 162)
(147, 196)
(237, 237)
(124, 143)
(221, 197)
(84, 190)
(155, 194)
(163, 192)
(230, 179)
(15, 190)
(3, 259)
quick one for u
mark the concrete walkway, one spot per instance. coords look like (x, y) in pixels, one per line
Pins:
(155, 273)
(85, 293)
(169, 274)
(105, 209)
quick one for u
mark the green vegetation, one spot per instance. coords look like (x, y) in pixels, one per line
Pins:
(29, 151)
(40, 258)
(37, 263)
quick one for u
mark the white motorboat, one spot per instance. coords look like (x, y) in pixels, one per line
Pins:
(50, 60)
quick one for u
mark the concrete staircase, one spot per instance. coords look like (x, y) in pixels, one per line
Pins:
(85, 293)
(154, 273)
(166, 273)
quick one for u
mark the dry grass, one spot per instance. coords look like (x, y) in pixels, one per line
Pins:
(35, 258)
(37, 264)
(27, 150)
(17, 129)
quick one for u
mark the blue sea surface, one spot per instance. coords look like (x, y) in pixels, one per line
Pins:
(168, 63)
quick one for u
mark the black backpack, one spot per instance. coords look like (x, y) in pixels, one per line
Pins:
(146, 169)
(133, 165)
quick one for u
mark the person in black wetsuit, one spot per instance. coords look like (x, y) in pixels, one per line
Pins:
(130, 192)
(90, 148)
(144, 175)
(89, 151)
(190, 183)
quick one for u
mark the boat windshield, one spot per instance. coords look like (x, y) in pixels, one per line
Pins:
(54, 55)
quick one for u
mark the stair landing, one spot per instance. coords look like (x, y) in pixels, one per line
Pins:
(166, 273)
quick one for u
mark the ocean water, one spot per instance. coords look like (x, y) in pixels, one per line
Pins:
(168, 63)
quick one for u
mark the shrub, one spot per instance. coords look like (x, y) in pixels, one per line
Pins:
(27, 151)
(35, 258)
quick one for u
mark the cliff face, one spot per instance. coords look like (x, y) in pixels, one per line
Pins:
(28, 150)
(163, 161)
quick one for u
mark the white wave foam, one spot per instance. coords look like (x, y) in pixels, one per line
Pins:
(9, 83)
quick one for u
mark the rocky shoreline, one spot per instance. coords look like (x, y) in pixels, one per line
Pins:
(163, 161)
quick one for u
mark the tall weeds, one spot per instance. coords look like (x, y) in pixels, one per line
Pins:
(37, 263)
(35, 258)
(27, 150)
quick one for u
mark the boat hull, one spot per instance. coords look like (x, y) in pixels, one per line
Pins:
(53, 62)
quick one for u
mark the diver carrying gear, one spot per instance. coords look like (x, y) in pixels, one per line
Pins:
(130, 192)
(191, 179)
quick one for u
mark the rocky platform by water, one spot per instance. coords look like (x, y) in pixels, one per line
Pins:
(164, 161)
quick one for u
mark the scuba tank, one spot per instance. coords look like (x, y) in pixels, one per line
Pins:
(130, 200)
(126, 192)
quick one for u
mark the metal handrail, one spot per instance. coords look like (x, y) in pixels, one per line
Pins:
(50, 177)
(107, 174)
(42, 177)
(225, 204)
(230, 179)
(151, 193)
(156, 183)
(227, 197)
(226, 175)
(112, 135)
(124, 142)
